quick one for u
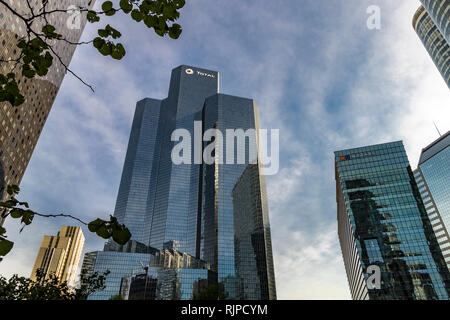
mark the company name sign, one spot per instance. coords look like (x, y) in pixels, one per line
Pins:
(204, 74)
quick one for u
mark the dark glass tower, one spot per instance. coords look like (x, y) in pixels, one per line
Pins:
(382, 222)
(433, 39)
(183, 217)
(433, 179)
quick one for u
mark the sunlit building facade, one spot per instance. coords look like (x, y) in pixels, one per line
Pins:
(60, 255)
(382, 222)
(20, 127)
(184, 213)
(433, 179)
(433, 39)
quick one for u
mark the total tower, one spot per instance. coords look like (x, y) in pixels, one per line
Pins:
(198, 223)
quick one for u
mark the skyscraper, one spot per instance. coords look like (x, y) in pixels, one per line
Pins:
(439, 10)
(187, 210)
(60, 254)
(382, 224)
(433, 179)
(21, 126)
(432, 37)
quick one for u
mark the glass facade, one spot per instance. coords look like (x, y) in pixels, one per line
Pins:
(235, 218)
(166, 284)
(120, 265)
(434, 168)
(131, 204)
(434, 41)
(186, 215)
(382, 222)
(439, 10)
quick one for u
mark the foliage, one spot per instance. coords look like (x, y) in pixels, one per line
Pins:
(48, 287)
(36, 49)
(20, 210)
(212, 292)
(116, 297)
(90, 284)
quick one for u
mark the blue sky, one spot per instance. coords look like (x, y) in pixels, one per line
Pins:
(317, 73)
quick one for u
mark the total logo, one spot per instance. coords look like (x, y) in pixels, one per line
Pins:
(190, 72)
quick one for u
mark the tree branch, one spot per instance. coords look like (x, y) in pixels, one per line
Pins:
(60, 215)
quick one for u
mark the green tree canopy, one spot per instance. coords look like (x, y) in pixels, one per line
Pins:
(48, 287)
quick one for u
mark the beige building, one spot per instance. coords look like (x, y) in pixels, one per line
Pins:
(60, 254)
(20, 127)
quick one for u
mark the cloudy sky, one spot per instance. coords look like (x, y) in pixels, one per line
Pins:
(315, 70)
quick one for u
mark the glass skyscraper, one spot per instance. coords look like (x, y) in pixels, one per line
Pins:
(439, 10)
(382, 222)
(190, 230)
(430, 26)
(433, 179)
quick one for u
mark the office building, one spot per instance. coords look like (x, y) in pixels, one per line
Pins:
(60, 255)
(433, 39)
(87, 267)
(382, 224)
(20, 127)
(439, 11)
(185, 213)
(433, 180)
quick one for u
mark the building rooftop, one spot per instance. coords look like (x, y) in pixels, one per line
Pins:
(435, 147)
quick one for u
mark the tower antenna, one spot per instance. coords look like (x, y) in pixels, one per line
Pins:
(440, 135)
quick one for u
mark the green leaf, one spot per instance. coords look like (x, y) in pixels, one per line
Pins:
(98, 42)
(103, 33)
(92, 16)
(12, 189)
(121, 236)
(118, 52)
(126, 6)
(103, 232)
(93, 226)
(169, 12)
(25, 204)
(9, 203)
(113, 32)
(28, 216)
(16, 213)
(175, 31)
(27, 71)
(179, 3)
(106, 49)
(2, 231)
(107, 5)
(136, 15)
(5, 247)
(49, 31)
(150, 21)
